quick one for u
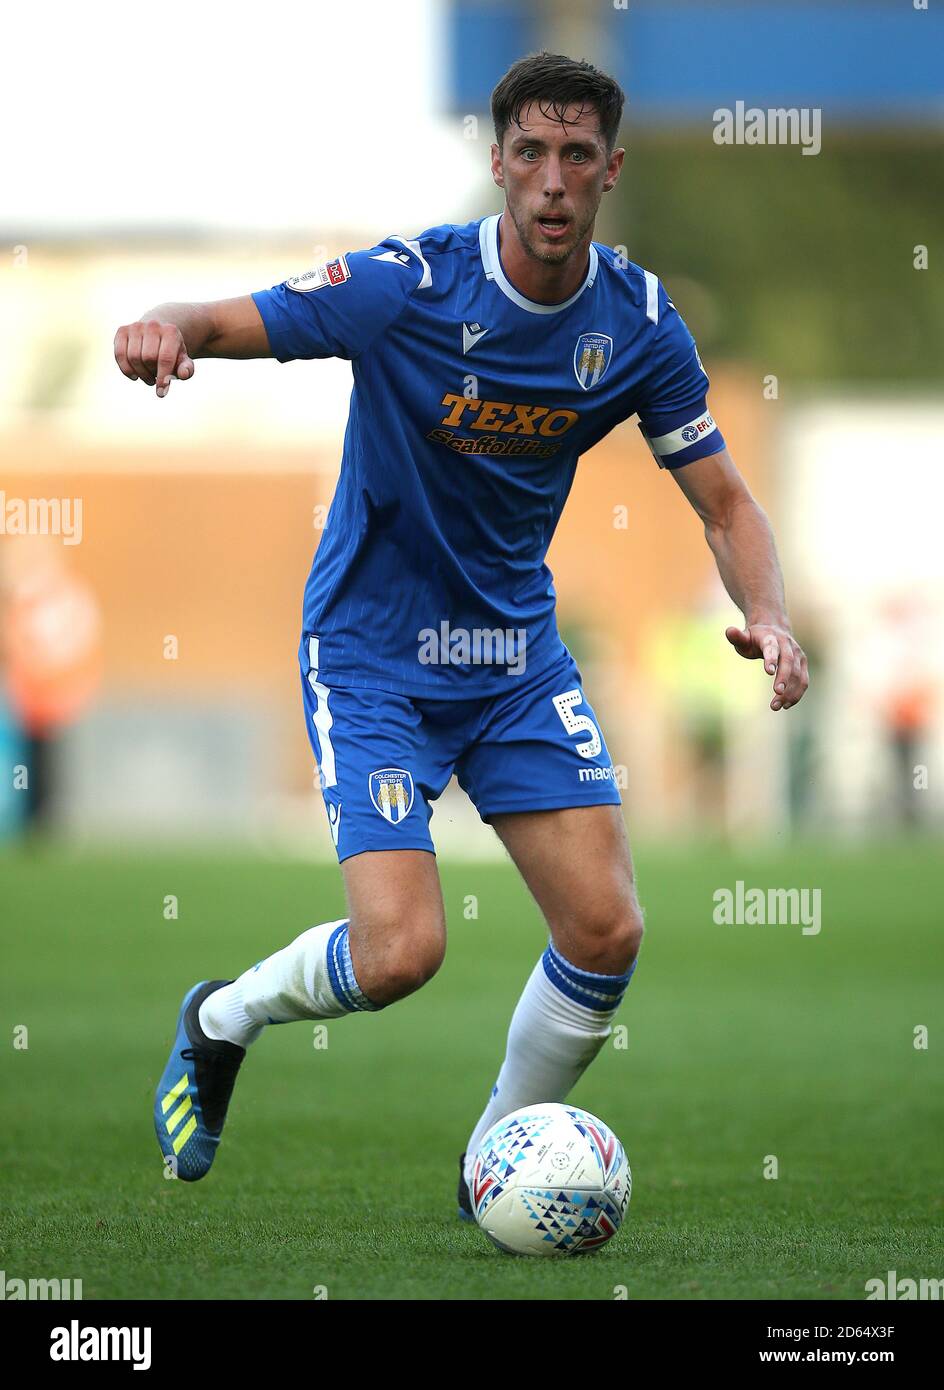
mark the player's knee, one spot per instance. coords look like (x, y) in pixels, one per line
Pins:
(631, 931)
(401, 951)
(408, 967)
(609, 934)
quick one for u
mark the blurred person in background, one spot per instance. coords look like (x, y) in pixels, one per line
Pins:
(51, 641)
(906, 658)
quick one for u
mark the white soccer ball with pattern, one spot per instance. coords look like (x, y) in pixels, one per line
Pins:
(550, 1180)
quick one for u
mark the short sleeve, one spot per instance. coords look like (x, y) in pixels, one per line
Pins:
(340, 307)
(673, 415)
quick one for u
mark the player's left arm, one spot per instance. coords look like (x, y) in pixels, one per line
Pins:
(741, 539)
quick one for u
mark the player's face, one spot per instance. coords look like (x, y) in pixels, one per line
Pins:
(554, 174)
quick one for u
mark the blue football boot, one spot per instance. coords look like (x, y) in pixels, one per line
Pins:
(194, 1092)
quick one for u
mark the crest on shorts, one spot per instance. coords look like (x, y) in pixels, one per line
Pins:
(591, 358)
(391, 791)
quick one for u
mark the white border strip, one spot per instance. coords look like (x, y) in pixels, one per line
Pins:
(491, 261)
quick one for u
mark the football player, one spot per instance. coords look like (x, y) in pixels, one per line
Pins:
(487, 358)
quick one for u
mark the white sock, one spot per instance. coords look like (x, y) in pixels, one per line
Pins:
(313, 977)
(560, 1023)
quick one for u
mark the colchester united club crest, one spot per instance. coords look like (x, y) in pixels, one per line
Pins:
(391, 791)
(591, 358)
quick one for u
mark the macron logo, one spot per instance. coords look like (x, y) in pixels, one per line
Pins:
(398, 257)
(471, 333)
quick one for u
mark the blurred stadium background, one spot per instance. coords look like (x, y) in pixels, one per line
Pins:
(199, 514)
(164, 632)
(149, 678)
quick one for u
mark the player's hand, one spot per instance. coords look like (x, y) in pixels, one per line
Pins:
(783, 658)
(153, 352)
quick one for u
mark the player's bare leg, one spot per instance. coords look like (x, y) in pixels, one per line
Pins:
(397, 923)
(578, 866)
(391, 942)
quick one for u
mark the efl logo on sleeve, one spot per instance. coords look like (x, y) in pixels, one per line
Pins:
(330, 273)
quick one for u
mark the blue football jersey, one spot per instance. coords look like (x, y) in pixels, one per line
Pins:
(470, 408)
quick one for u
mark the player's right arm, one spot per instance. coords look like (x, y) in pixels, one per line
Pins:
(163, 344)
(338, 309)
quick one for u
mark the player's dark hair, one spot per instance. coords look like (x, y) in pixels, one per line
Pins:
(556, 82)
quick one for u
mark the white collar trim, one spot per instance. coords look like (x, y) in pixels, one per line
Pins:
(491, 262)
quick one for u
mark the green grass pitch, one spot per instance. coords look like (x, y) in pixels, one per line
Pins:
(337, 1170)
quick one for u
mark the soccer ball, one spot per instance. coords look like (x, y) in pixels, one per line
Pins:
(550, 1180)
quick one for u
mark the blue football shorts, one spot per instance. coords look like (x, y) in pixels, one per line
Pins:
(383, 759)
